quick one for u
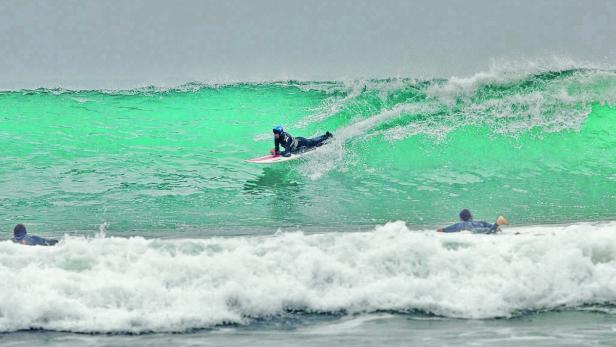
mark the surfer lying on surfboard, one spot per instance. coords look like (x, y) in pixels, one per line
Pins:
(295, 145)
(480, 227)
(20, 235)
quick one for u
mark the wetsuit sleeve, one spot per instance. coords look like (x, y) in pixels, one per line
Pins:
(286, 153)
(277, 145)
(287, 141)
(453, 228)
(39, 241)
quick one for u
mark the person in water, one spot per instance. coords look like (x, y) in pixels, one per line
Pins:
(20, 235)
(467, 223)
(295, 144)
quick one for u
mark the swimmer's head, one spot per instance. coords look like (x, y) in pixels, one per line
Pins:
(19, 232)
(466, 215)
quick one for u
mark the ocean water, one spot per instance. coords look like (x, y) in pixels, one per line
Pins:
(169, 237)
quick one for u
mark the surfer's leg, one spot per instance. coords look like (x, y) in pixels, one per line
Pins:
(499, 221)
(491, 228)
(317, 141)
(302, 144)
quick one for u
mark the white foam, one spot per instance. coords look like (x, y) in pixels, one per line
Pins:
(333, 155)
(506, 72)
(562, 104)
(332, 106)
(352, 90)
(110, 284)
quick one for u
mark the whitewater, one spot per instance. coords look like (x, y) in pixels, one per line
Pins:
(136, 285)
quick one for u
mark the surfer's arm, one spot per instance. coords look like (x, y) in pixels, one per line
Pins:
(287, 146)
(451, 229)
(287, 152)
(276, 147)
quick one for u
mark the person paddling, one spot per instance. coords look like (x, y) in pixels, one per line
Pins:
(479, 227)
(20, 235)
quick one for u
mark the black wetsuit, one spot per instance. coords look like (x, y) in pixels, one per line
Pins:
(297, 144)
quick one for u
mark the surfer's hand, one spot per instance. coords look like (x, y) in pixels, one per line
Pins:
(272, 151)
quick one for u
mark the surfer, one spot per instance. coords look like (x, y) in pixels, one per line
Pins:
(20, 235)
(480, 227)
(297, 144)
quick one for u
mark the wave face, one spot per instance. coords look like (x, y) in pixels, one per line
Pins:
(537, 146)
(135, 285)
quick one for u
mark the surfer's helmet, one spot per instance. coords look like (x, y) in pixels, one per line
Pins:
(278, 129)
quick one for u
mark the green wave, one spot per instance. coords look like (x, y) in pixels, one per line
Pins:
(535, 146)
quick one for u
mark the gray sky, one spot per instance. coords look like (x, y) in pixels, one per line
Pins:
(107, 44)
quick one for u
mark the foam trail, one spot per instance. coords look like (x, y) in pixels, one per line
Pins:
(137, 285)
(333, 106)
(332, 155)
